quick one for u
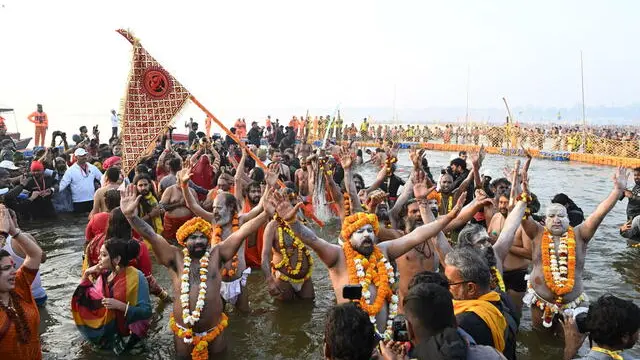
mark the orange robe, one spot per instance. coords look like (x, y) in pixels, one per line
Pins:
(253, 255)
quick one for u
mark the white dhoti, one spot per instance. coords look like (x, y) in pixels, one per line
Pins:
(230, 290)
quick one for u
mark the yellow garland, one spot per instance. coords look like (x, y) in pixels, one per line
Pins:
(191, 226)
(496, 279)
(200, 350)
(302, 249)
(354, 222)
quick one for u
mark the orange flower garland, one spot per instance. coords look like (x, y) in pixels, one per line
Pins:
(347, 204)
(217, 238)
(559, 272)
(354, 222)
(200, 350)
(374, 270)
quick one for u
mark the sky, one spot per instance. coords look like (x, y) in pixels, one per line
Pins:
(254, 58)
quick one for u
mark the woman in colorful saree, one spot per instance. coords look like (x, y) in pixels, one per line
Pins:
(111, 306)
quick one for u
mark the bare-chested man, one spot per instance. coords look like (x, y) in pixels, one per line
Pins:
(304, 149)
(498, 219)
(286, 262)
(196, 236)
(112, 182)
(555, 284)
(176, 210)
(226, 215)
(360, 257)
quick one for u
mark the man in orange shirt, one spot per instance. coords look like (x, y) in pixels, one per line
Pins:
(39, 118)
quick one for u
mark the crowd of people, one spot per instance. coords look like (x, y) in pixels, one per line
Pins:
(423, 267)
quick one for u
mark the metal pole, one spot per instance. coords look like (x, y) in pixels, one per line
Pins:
(584, 118)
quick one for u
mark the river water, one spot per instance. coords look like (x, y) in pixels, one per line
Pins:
(295, 330)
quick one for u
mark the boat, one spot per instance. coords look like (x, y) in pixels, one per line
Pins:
(21, 144)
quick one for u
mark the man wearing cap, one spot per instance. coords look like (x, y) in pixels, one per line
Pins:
(40, 189)
(82, 177)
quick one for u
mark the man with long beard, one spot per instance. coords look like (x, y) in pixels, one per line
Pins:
(360, 258)
(197, 319)
(149, 208)
(287, 264)
(226, 219)
(555, 284)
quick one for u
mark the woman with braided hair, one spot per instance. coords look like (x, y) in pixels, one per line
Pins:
(19, 316)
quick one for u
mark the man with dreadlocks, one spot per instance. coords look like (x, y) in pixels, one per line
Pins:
(360, 260)
(227, 219)
(286, 262)
(197, 319)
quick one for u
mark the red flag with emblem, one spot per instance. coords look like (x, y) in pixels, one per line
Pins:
(152, 100)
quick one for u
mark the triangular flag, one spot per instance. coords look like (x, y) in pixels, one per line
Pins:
(152, 100)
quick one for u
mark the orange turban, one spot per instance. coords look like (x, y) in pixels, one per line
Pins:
(191, 226)
(354, 222)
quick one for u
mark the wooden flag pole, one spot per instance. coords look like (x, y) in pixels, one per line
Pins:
(233, 136)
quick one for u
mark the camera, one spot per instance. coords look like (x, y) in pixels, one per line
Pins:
(352, 292)
(581, 322)
(95, 129)
(399, 327)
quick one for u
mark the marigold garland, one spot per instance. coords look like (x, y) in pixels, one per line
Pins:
(200, 350)
(388, 162)
(347, 204)
(354, 222)
(374, 270)
(559, 271)
(191, 226)
(285, 262)
(496, 279)
(217, 239)
(434, 195)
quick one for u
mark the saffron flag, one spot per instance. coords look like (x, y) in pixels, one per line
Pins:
(152, 100)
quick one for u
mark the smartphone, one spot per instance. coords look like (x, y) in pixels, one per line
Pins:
(352, 292)
(399, 327)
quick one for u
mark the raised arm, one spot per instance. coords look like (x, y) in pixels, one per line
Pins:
(33, 253)
(398, 247)
(328, 253)
(507, 235)
(183, 177)
(267, 247)
(588, 228)
(523, 251)
(230, 246)
(346, 160)
(129, 200)
(394, 213)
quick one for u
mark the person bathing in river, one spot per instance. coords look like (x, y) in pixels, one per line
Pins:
(555, 285)
(198, 320)
(360, 258)
(227, 220)
(286, 262)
